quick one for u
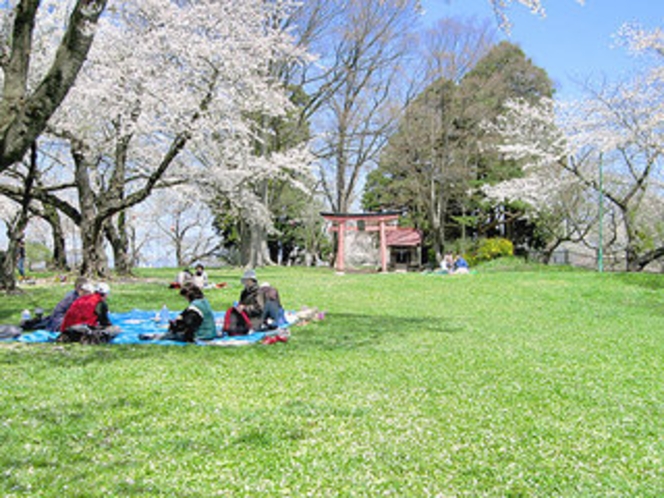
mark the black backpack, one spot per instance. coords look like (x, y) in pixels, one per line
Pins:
(85, 335)
(236, 322)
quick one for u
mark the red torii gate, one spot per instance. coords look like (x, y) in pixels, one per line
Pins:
(372, 222)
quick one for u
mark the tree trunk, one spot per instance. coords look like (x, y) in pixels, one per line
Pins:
(645, 259)
(15, 230)
(631, 252)
(436, 219)
(52, 217)
(23, 116)
(8, 269)
(95, 262)
(254, 252)
(550, 248)
(16, 227)
(117, 236)
(632, 263)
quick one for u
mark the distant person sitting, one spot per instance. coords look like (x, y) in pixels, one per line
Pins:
(196, 322)
(200, 278)
(251, 301)
(460, 265)
(183, 278)
(447, 264)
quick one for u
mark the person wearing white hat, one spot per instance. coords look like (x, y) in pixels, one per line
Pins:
(103, 289)
(90, 309)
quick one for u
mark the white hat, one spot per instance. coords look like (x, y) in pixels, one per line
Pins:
(88, 287)
(103, 288)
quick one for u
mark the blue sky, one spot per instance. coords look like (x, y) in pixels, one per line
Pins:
(573, 43)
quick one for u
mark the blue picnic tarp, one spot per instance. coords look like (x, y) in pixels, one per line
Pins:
(135, 323)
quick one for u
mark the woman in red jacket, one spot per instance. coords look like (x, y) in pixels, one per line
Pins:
(90, 309)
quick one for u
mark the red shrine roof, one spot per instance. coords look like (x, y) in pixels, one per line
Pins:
(408, 237)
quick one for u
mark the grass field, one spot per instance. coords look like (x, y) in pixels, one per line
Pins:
(527, 382)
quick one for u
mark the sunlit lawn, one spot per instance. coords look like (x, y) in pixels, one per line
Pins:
(501, 383)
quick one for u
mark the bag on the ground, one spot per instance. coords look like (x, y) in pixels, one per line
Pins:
(36, 323)
(178, 331)
(10, 331)
(236, 322)
(85, 335)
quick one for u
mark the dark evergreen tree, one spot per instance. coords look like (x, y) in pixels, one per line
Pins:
(442, 151)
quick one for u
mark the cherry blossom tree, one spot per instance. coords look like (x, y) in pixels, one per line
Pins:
(165, 85)
(562, 209)
(242, 192)
(619, 128)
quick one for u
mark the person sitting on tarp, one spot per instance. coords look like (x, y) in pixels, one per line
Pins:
(251, 300)
(246, 315)
(53, 321)
(90, 309)
(88, 313)
(273, 312)
(57, 316)
(200, 278)
(447, 264)
(196, 322)
(185, 277)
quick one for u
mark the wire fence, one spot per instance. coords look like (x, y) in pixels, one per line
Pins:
(589, 259)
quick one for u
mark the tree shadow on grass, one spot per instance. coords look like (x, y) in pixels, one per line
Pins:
(350, 331)
(74, 355)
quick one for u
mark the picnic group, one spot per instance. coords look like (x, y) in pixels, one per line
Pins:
(83, 314)
(453, 264)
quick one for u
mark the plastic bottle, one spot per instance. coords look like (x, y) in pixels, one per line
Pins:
(25, 315)
(164, 314)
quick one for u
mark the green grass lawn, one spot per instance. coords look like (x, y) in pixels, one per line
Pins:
(503, 383)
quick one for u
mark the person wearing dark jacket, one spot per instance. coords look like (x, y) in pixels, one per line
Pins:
(81, 286)
(251, 300)
(196, 322)
(53, 321)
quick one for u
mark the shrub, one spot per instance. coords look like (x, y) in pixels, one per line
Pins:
(489, 249)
